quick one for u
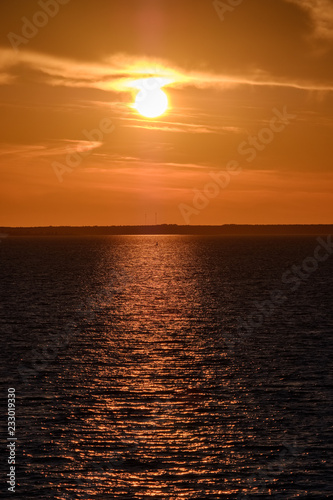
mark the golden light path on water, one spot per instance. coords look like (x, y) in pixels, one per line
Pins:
(153, 414)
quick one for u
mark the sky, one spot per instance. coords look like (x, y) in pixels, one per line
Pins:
(246, 137)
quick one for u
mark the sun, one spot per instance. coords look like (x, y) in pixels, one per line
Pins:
(151, 103)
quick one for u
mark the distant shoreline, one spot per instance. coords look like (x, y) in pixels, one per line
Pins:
(173, 229)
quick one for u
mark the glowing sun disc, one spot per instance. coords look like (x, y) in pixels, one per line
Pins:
(151, 103)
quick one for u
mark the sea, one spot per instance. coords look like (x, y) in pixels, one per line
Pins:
(166, 367)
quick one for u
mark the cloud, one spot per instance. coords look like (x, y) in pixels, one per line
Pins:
(117, 73)
(321, 14)
(6, 78)
(185, 127)
(51, 150)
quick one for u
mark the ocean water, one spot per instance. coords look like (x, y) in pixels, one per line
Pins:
(167, 367)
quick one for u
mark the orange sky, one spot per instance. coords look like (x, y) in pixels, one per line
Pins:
(247, 137)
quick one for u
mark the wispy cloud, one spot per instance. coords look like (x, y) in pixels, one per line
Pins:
(50, 150)
(116, 73)
(187, 128)
(321, 13)
(6, 78)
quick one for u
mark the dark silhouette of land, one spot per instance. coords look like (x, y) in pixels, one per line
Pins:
(223, 230)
